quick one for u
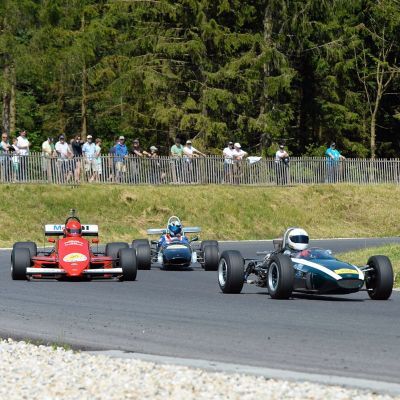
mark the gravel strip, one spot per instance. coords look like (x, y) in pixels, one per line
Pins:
(39, 372)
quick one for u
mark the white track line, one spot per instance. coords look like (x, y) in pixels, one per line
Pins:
(270, 373)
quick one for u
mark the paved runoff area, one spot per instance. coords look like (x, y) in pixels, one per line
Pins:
(39, 372)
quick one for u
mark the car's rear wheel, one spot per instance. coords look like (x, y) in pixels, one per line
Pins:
(143, 256)
(21, 260)
(128, 263)
(205, 243)
(280, 277)
(211, 257)
(26, 245)
(231, 272)
(379, 281)
(112, 249)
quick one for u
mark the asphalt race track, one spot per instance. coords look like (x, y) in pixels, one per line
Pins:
(184, 314)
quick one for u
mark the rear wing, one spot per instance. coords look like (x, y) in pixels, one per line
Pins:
(161, 231)
(58, 229)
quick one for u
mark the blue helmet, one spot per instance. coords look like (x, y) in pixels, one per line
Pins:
(175, 228)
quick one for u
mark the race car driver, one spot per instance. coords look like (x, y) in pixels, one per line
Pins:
(296, 243)
(73, 228)
(174, 234)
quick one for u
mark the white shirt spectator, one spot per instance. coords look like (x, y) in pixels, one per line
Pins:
(23, 145)
(280, 155)
(238, 154)
(228, 155)
(189, 151)
(89, 150)
(46, 149)
(63, 150)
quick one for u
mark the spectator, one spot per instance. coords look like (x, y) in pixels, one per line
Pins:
(177, 153)
(137, 152)
(16, 160)
(5, 149)
(23, 146)
(228, 162)
(48, 152)
(89, 153)
(238, 155)
(189, 153)
(281, 165)
(156, 175)
(76, 147)
(333, 158)
(64, 155)
(120, 155)
(98, 162)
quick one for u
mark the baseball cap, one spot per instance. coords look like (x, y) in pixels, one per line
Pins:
(333, 144)
(89, 137)
(238, 145)
(61, 137)
(230, 143)
(121, 138)
(188, 142)
(153, 148)
(281, 146)
(136, 141)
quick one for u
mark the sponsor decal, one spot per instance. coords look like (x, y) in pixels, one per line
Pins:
(73, 243)
(344, 271)
(74, 257)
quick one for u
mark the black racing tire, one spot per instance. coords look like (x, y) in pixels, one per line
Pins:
(379, 282)
(280, 277)
(211, 257)
(205, 243)
(21, 260)
(139, 242)
(128, 263)
(112, 249)
(231, 272)
(143, 256)
(27, 245)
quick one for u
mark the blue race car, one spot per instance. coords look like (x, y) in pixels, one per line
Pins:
(293, 267)
(174, 249)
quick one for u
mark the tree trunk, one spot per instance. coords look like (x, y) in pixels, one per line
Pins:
(5, 126)
(373, 135)
(84, 100)
(13, 100)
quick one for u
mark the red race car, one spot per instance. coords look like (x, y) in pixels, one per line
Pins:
(73, 256)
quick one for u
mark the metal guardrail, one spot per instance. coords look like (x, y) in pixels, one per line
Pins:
(109, 169)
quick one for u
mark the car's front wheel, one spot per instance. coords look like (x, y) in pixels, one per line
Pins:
(379, 281)
(210, 254)
(280, 277)
(231, 272)
(143, 253)
(21, 260)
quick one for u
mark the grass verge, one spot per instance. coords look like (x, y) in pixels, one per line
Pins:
(360, 257)
(125, 212)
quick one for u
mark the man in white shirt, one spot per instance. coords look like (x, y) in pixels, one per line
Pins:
(47, 154)
(189, 152)
(89, 152)
(238, 155)
(281, 165)
(228, 162)
(64, 154)
(23, 146)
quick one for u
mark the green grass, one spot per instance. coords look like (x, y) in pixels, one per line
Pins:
(125, 212)
(360, 257)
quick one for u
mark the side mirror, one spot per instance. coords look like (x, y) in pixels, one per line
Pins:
(51, 240)
(95, 240)
(195, 239)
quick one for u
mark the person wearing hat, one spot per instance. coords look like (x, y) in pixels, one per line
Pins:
(281, 164)
(137, 151)
(23, 146)
(89, 153)
(333, 158)
(228, 162)
(189, 152)
(238, 155)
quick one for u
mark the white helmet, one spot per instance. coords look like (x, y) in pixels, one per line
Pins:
(297, 239)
